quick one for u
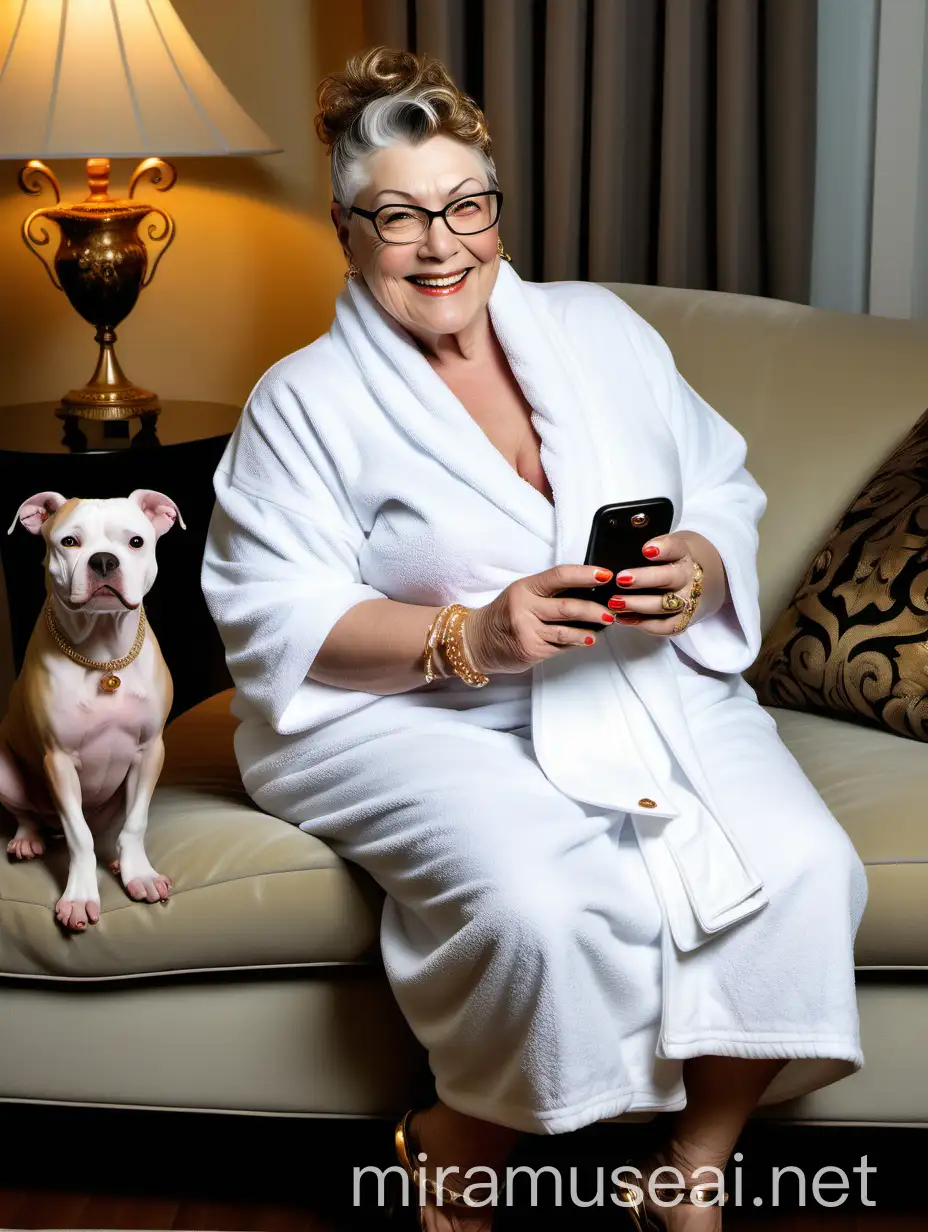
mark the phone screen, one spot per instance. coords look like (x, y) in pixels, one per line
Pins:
(617, 535)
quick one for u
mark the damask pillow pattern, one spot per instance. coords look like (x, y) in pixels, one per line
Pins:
(853, 642)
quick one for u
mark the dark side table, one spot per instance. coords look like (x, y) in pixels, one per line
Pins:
(177, 454)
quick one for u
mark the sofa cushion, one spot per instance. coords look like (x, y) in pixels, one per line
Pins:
(852, 642)
(876, 785)
(249, 890)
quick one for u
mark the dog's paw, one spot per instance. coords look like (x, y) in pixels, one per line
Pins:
(75, 913)
(152, 888)
(25, 848)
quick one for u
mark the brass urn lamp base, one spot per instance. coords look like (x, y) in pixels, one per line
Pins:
(102, 266)
(109, 394)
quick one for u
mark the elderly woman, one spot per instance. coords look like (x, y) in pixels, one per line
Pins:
(609, 886)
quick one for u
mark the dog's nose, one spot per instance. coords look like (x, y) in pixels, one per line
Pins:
(103, 563)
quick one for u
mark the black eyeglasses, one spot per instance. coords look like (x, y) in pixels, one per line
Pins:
(398, 223)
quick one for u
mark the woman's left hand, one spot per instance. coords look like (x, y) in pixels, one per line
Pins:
(671, 569)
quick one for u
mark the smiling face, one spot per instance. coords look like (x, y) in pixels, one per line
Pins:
(440, 170)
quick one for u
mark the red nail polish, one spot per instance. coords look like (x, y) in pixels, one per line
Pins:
(603, 575)
(625, 579)
(607, 618)
(616, 604)
(651, 550)
(588, 641)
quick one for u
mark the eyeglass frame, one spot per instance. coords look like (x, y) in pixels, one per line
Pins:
(432, 215)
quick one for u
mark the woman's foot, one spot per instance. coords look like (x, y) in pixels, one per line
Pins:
(687, 1158)
(450, 1139)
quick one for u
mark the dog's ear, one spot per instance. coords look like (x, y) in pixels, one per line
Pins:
(35, 512)
(158, 508)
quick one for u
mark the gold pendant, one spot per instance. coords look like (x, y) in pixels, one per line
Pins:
(109, 684)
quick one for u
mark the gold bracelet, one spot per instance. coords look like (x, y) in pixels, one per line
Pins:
(451, 641)
(431, 641)
(447, 633)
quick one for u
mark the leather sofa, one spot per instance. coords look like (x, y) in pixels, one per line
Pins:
(259, 989)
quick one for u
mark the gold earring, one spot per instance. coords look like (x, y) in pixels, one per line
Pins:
(352, 271)
(501, 250)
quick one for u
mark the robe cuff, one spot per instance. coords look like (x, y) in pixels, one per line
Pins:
(285, 693)
(728, 640)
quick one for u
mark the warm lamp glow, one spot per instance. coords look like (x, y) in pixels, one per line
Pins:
(112, 78)
(103, 79)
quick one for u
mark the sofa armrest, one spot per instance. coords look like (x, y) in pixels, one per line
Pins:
(198, 748)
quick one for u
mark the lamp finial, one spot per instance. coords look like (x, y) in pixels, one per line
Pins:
(98, 179)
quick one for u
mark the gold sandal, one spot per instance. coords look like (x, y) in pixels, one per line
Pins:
(444, 1195)
(632, 1194)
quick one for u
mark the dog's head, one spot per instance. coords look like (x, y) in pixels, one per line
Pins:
(99, 554)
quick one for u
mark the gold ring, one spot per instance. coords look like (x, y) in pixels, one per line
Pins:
(684, 619)
(692, 602)
(672, 602)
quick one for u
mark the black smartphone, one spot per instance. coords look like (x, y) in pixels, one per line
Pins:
(617, 535)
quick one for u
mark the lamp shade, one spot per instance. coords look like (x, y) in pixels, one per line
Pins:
(112, 79)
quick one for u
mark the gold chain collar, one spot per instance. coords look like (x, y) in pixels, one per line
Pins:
(109, 683)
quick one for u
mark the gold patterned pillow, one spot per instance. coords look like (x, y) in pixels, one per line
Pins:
(853, 643)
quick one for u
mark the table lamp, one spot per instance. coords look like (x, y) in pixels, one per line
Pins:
(102, 79)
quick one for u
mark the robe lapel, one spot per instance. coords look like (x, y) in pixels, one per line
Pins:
(408, 389)
(576, 455)
(529, 339)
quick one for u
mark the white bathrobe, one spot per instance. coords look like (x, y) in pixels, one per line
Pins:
(558, 947)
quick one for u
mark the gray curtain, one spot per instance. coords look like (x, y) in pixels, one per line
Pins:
(655, 141)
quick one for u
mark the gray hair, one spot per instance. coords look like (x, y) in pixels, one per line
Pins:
(406, 116)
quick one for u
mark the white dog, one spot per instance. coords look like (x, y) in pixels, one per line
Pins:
(81, 745)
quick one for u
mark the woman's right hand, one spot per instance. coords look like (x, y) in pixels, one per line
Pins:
(520, 626)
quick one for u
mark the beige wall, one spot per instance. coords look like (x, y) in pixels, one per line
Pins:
(255, 265)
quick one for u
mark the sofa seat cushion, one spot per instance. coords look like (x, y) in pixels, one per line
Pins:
(876, 784)
(873, 781)
(250, 891)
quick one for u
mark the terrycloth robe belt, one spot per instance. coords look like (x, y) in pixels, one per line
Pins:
(595, 739)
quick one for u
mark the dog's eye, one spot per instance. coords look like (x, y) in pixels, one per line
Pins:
(136, 541)
(68, 541)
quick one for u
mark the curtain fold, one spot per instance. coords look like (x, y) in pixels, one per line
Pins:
(738, 190)
(625, 138)
(847, 62)
(386, 22)
(900, 167)
(440, 30)
(509, 105)
(790, 93)
(684, 242)
(565, 44)
(870, 242)
(658, 141)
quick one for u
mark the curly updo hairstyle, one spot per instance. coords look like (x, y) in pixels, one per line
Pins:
(384, 97)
